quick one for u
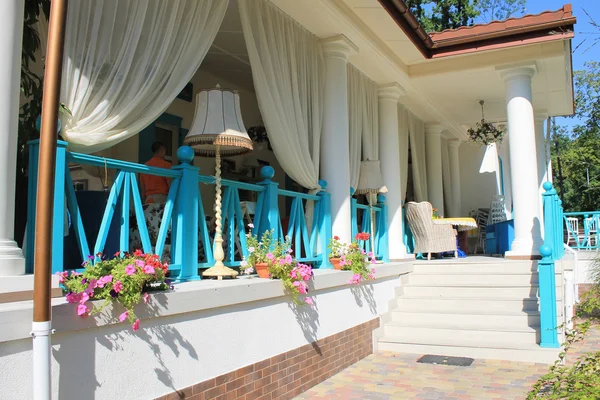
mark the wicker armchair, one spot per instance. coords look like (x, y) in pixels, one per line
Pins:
(429, 237)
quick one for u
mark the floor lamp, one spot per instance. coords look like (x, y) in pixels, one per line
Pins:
(370, 183)
(218, 130)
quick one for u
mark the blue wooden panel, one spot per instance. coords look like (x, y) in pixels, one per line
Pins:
(124, 238)
(166, 218)
(139, 216)
(547, 284)
(32, 179)
(73, 208)
(58, 223)
(108, 213)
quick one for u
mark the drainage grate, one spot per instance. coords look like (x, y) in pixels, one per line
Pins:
(444, 360)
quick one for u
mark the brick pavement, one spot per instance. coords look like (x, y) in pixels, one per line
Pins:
(386, 375)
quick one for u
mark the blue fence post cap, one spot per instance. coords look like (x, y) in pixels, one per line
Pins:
(545, 251)
(380, 198)
(547, 186)
(352, 190)
(185, 154)
(267, 172)
(323, 184)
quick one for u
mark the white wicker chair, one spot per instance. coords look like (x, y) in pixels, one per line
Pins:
(429, 237)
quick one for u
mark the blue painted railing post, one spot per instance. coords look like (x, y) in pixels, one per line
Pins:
(547, 284)
(269, 217)
(58, 218)
(184, 237)
(382, 229)
(353, 215)
(325, 232)
(553, 221)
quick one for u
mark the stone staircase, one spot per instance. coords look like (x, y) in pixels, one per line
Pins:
(477, 307)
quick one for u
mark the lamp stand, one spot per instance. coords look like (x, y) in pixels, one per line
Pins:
(219, 270)
(371, 198)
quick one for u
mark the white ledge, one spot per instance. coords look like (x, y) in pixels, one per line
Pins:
(15, 318)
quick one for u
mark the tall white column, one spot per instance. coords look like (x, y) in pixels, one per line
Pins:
(454, 158)
(433, 146)
(523, 160)
(335, 162)
(389, 154)
(11, 39)
(540, 147)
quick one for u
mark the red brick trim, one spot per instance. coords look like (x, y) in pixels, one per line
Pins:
(289, 374)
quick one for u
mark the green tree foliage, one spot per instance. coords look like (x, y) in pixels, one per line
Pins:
(437, 15)
(578, 149)
(491, 10)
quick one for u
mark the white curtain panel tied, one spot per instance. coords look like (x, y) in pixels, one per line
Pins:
(287, 69)
(127, 60)
(403, 143)
(447, 180)
(419, 166)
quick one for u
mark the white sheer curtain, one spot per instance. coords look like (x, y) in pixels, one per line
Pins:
(447, 180)
(363, 111)
(287, 69)
(126, 61)
(417, 146)
(403, 143)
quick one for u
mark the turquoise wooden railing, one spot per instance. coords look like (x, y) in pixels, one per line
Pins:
(183, 214)
(374, 222)
(550, 251)
(582, 229)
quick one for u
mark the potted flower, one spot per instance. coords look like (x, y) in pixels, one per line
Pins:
(125, 280)
(337, 250)
(275, 261)
(354, 258)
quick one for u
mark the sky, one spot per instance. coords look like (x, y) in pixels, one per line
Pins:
(582, 30)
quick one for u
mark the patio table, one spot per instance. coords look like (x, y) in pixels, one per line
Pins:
(462, 224)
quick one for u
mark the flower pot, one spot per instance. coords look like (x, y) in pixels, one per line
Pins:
(262, 269)
(336, 262)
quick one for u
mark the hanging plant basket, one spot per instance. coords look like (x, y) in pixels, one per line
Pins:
(485, 133)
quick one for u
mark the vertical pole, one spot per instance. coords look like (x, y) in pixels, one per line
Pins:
(42, 312)
(354, 215)
(185, 219)
(270, 212)
(324, 224)
(547, 282)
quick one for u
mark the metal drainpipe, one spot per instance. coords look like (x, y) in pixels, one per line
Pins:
(42, 311)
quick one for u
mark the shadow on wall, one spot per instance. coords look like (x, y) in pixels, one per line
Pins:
(308, 319)
(364, 293)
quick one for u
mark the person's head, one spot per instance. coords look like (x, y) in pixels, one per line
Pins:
(159, 149)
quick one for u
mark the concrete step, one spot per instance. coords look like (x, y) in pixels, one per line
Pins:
(470, 304)
(460, 347)
(481, 278)
(419, 317)
(502, 291)
(439, 333)
(474, 268)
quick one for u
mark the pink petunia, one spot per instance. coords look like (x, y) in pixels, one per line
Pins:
(136, 325)
(73, 297)
(148, 269)
(146, 298)
(104, 280)
(82, 310)
(309, 301)
(130, 269)
(84, 298)
(124, 316)
(270, 256)
(118, 286)
(140, 263)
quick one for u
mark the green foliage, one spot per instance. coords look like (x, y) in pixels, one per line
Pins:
(493, 10)
(353, 258)
(123, 280)
(265, 250)
(578, 149)
(437, 15)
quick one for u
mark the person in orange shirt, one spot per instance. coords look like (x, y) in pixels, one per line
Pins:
(155, 189)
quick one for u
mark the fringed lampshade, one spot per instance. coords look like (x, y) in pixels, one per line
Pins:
(218, 130)
(370, 182)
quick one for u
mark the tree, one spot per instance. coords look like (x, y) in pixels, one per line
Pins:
(437, 15)
(493, 10)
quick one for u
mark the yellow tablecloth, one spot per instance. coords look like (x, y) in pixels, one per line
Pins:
(461, 223)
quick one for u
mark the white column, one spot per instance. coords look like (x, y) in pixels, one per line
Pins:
(540, 147)
(11, 39)
(335, 163)
(433, 145)
(389, 154)
(523, 160)
(453, 146)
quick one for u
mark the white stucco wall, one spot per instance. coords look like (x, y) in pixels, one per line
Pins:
(207, 328)
(476, 189)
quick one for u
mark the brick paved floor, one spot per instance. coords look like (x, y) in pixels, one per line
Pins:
(385, 375)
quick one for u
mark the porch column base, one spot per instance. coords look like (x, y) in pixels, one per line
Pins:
(524, 248)
(12, 262)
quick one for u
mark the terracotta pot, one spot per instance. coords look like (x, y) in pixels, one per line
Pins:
(335, 261)
(262, 269)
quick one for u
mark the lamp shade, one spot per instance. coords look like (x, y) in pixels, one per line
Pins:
(218, 123)
(370, 179)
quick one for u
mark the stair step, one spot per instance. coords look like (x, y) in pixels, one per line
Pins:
(502, 291)
(457, 346)
(440, 334)
(421, 317)
(467, 303)
(473, 279)
(471, 268)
